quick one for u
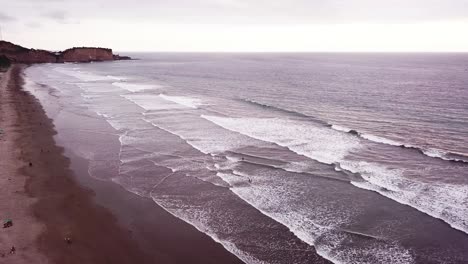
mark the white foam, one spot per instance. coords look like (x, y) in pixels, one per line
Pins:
(444, 155)
(29, 84)
(136, 87)
(151, 102)
(443, 201)
(196, 218)
(117, 78)
(311, 226)
(201, 134)
(430, 152)
(101, 114)
(440, 200)
(87, 76)
(183, 100)
(369, 137)
(319, 143)
(435, 153)
(383, 140)
(341, 128)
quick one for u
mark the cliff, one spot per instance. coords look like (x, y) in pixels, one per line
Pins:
(19, 54)
(86, 55)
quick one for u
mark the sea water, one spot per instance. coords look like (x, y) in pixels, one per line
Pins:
(361, 158)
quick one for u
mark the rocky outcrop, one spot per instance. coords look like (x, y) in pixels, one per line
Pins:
(118, 57)
(86, 55)
(19, 54)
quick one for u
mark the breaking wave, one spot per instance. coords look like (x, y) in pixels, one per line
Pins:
(430, 152)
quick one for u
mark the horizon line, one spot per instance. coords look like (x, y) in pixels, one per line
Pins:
(288, 51)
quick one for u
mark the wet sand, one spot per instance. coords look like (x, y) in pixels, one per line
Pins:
(49, 198)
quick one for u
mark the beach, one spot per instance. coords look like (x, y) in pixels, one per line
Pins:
(15, 203)
(56, 216)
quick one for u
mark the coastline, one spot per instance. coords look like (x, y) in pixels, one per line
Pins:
(50, 198)
(15, 203)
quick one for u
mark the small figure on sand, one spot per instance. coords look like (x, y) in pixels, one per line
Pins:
(67, 240)
(7, 223)
(250, 180)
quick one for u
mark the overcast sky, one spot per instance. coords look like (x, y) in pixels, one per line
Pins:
(238, 25)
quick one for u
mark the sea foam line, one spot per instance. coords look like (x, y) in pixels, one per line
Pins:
(136, 87)
(430, 152)
(183, 100)
(442, 201)
(305, 140)
(229, 246)
(310, 236)
(279, 132)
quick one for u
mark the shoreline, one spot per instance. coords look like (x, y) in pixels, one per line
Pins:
(105, 223)
(15, 203)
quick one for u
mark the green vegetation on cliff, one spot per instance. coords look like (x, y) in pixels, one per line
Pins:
(4, 63)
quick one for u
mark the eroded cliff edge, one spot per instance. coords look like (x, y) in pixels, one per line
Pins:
(18, 54)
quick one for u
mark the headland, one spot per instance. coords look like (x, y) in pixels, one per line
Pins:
(18, 54)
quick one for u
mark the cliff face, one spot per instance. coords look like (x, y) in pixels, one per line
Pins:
(35, 56)
(19, 54)
(86, 55)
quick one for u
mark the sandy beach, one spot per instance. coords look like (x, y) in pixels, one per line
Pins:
(15, 204)
(40, 194)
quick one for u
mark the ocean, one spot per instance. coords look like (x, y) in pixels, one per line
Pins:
(359, 158)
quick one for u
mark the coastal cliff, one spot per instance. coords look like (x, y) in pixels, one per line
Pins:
(86, 55)
(18, 54)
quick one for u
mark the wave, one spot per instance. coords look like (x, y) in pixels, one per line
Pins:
(286, 111)
(313, 227)
(152, 102)
(449, 156)
(135, 87)
(88, 76)
(442, 201)
(183, 100)
(288, 168)
(430, 152)
(200, 226)
(226, 170)
(320, 143)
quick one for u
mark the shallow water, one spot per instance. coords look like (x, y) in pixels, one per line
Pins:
(360, 158)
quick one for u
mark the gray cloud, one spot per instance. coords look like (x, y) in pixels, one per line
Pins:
(246, 11)
(33, 24)
(6, 18)
(57, 15)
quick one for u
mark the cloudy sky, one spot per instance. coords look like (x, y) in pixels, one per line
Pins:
(238, 25)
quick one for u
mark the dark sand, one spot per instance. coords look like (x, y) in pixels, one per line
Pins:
(105, 223)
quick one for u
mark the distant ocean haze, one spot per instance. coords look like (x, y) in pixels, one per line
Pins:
(281, 158)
